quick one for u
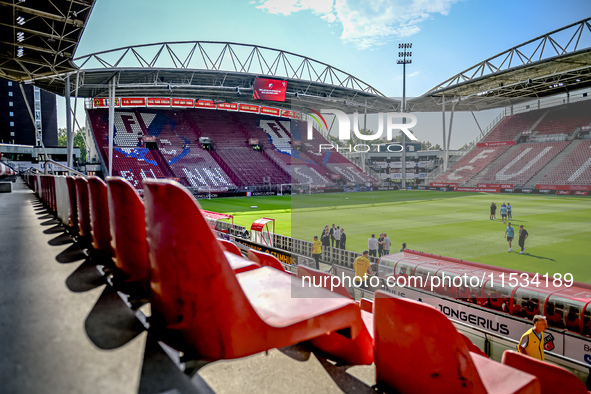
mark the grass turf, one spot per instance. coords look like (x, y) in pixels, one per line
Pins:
(444, 223)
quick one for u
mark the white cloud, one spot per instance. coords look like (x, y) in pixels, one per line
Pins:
(286, 7)
(366, 23)
(414, 74)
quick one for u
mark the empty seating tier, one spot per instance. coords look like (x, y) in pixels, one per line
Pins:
(471, 164)
(523, 162)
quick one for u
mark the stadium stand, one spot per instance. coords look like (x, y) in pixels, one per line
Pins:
(302, 168)
(471, 164)
(336, 163)
(189, 161)
(522, 163)
(512, 126)
(565, 119)
(230, 162)
(574, 169)
(230, 139)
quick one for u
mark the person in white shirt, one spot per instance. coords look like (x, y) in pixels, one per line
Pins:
(337, 237)
(387, 244)
(372, 245)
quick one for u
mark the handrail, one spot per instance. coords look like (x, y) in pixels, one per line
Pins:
(71, 170)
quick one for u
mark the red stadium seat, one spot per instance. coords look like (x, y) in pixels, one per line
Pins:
(354, 352)
(471, 346)
(230, 247)
(83, 207)
(73, 221)
(323, 278)
(213, 313)
(240, 264)
(99, 215)
(366, 305)
(553, 379)
(418, 350)
(265, 259)
(128, 232)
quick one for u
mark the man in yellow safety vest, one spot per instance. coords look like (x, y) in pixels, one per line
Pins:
(532, 342)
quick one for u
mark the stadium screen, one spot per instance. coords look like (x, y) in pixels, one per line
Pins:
(269, 89)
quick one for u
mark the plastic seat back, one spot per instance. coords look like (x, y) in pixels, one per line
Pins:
(230, 247)
(190, 278)
(366, 305)
(63, 199)
(99, 215)
(324, 279)
(52, 198)
(218, 314)
(73, 220)
(83, 207)
(418, 350)
(265, 259)
(128, 230)
(553, 379)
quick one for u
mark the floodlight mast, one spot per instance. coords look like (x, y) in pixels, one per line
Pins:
(404, 54)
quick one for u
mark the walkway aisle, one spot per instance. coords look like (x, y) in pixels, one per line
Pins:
(44, 344)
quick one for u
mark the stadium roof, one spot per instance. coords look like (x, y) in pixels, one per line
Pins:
(38, 38)
(556, 62)
(220, 71)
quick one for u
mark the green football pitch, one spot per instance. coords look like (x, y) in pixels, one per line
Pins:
(444, 223)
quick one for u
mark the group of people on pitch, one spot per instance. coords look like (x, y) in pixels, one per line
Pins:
(505, 211)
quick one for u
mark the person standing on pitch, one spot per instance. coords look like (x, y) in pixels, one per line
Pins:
(493, 210)
(509, 234)
(381, 245)
(325, 238)
(387, 244)
(331, 232)
(503, 212)
(337, 237)
(509, 211)
(523, 234)
(532, 342)
(343, 239)
(316, 251)
(372, 245)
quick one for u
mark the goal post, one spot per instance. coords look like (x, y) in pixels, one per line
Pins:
(295, 188)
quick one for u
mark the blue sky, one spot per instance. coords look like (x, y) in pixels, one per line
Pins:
(359, 37)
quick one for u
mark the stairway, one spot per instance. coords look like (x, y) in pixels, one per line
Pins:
(552, 165)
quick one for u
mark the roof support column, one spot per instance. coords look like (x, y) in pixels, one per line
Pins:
(443, 124)
(69, 136)
(111, 122)
(451, 121)
(38, 134)
(363, 154)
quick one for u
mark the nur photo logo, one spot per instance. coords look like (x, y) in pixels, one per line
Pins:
(393, 122)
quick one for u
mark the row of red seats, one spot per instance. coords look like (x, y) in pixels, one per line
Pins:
(211, 303)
